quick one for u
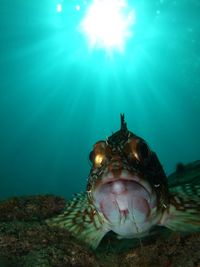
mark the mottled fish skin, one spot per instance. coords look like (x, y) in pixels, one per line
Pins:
(82, 220)
(127, 193)
(183, 213)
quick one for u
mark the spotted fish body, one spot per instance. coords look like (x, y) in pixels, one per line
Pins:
(127, 193)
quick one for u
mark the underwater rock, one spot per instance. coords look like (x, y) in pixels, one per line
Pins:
(185, 173)
(27, 241)
(31, 208)
(175, 251)
(27, 244)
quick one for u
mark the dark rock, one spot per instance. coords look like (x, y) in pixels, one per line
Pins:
(31, 208)
(187, 173)
(176, 251)
(27, 241)
(180, 167)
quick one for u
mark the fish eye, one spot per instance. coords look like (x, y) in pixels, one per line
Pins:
(143, 150)
(137, 149)
(99, 154)
(98, 160)
(131, 149)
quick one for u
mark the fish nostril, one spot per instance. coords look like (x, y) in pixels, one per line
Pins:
(115, 165)
(116, 172)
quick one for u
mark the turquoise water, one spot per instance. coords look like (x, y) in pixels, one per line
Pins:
(58, 96)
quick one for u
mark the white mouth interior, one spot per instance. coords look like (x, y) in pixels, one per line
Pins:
(120, 198)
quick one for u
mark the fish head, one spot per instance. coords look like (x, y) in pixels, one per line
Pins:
(126, 178)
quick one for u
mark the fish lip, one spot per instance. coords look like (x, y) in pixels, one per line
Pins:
(125, 176)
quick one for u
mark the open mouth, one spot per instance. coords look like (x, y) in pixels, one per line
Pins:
(124, 187)
(121, 196)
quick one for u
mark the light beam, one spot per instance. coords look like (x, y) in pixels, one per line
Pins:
(59, 8)
(107, 24)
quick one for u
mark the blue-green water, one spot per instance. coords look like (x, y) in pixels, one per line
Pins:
(58, 97)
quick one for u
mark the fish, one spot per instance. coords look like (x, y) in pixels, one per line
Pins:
(128, 193)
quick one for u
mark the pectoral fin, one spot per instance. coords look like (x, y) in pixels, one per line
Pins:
(81, 219)
(183, 213)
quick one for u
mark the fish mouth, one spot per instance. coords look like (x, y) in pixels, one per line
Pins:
(126, 195)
